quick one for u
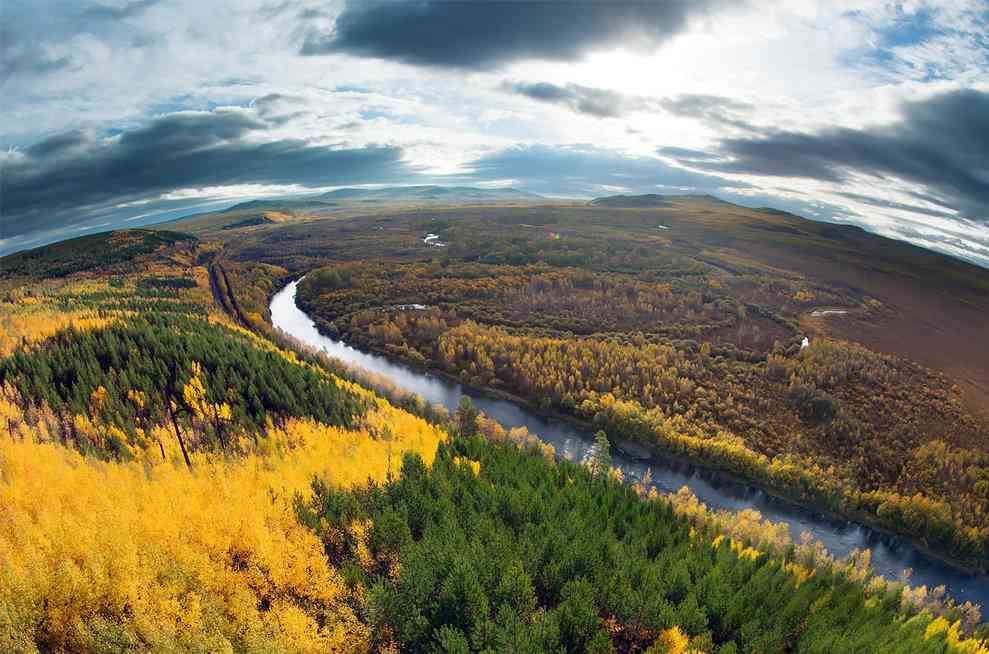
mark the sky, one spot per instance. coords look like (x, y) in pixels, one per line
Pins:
(126, 113)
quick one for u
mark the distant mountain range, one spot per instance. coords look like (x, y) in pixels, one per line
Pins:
(348, 196)
(307, 202)
(427, 194)
(648, 200)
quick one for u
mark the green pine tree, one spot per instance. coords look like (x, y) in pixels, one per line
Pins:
(600, 462)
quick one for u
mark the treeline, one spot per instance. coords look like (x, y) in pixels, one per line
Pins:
(544, 300)
(97, 251)
(165, 283)
(246, 289)
(496, 549)
(950, 524)
(169, 369)
(863, 441)
(633, 243)
(867, 429)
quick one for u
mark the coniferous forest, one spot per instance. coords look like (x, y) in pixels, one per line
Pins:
(498, 549)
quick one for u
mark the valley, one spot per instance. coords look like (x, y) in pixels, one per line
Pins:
(597, 317)
(574, 441)
(160, 369)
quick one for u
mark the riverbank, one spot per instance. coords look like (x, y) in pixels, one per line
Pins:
(841, 534)
(652, 452)
(656, 449)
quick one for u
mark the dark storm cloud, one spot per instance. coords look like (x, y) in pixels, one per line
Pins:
(941, 144)
(67, 178)
(583, 169)
(709, 108)
(599, 103)
(58, 144)
(484, 34)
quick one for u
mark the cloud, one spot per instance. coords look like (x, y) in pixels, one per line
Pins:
(32, 61)
(685, 154)
(891, 204)
(110, 12)
(59, 144)
(585, 170)
(922, 41)
(69, 177)
(940, 143)
(969, 246)
(709, 108)
(485, 34)
(605, 103)
(26, 56)
(600, 103)
(36, 45)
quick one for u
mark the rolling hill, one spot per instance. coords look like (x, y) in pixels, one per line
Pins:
(452, 194)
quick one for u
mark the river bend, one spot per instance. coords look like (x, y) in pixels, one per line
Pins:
(890, 554)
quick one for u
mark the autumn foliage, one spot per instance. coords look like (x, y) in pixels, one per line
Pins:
(670, 364)
(171, 481)
(148, 554)
(148, 471)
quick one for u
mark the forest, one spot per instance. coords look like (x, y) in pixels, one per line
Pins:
(497, 549)
(175, 477)
(151, 452)
(897, 299)
(161, 368)
(99, 250)
(669, 359)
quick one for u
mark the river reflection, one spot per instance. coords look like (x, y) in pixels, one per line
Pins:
(890, 554)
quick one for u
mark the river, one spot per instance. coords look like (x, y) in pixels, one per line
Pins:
(890, 554)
